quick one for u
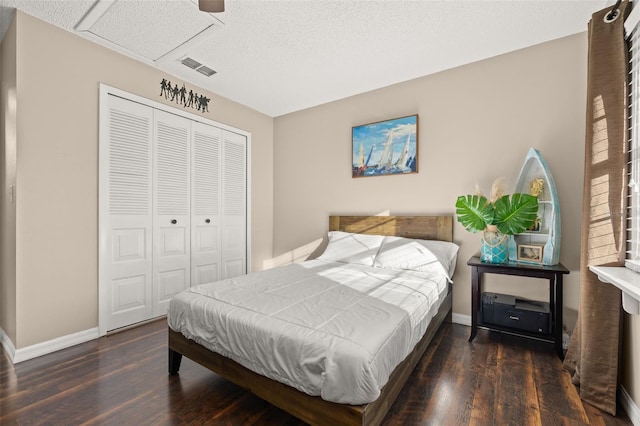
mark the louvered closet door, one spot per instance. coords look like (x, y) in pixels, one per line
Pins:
(171, 223)
(206, 145)
(234, 204)
(126, 213)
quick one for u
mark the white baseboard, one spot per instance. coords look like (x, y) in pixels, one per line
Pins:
(39, 349)
(7, 344)
(461, 319)
(629, 406)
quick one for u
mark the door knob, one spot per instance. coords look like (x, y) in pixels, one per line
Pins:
(174, 221)
(207, 220)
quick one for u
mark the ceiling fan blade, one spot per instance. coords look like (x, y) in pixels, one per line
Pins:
(211, 6)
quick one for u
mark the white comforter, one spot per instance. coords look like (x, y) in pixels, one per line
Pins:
(330, 329)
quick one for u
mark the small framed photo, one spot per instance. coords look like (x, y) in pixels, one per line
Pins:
(529, 253)
(385, 148)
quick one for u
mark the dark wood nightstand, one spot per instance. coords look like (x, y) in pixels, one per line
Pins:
(552, 273)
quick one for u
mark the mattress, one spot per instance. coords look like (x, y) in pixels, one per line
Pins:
(329, 329)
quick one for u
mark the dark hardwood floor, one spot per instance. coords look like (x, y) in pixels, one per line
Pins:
(122, 380)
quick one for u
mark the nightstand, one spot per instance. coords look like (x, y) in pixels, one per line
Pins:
(552, 273)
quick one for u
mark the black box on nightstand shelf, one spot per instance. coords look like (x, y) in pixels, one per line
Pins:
(517, 313)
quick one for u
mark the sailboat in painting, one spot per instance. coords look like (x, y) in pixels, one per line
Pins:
(362, 164)
(361, 160)
(387, 154)
(402, 163)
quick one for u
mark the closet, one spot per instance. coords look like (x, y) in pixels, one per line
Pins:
(173, 207)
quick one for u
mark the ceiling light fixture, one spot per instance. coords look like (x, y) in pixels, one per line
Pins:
(211, 6)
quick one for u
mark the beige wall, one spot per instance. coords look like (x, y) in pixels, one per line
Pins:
(8, 179)
(477, 123)
(57, 208)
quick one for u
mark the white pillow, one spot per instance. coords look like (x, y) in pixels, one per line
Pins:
(352, 248)
(417, 255)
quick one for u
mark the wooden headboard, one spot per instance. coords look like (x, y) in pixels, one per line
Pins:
(423, 227)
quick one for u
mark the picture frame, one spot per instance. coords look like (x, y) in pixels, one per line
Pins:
(384, 148)
(529, 253)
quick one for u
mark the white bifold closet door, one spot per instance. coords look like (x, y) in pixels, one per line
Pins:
(126, 213)
(218, 204)
(205, 203)
(234, 205)
(173, 209)
(171, 221)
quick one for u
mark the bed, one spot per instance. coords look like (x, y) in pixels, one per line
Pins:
(200, 334)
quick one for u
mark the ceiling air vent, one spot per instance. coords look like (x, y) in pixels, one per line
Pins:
(193, 64)
(206, 71)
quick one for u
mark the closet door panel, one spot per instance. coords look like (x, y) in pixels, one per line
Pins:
(171, 226)
(206, 145)
(234, 204)
(126, 213)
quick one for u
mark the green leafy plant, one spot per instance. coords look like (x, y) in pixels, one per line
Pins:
(510, 214)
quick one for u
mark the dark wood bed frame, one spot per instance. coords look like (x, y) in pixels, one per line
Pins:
(313, 409)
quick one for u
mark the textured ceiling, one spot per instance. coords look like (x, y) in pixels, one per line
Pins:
(282, 56)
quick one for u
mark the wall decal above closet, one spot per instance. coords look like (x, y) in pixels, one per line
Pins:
(180, 96)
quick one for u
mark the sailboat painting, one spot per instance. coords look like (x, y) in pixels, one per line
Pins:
(386, 147)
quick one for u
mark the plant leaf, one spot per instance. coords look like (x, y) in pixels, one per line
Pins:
(474, 212)
(513, 215)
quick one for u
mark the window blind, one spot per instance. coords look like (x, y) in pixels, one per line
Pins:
(632, 29)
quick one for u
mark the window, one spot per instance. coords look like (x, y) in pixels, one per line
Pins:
(625, 278)
(632, 29)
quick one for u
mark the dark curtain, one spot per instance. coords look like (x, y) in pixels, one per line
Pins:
(593, 356)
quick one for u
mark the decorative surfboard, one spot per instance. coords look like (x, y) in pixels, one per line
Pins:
(541, 243)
